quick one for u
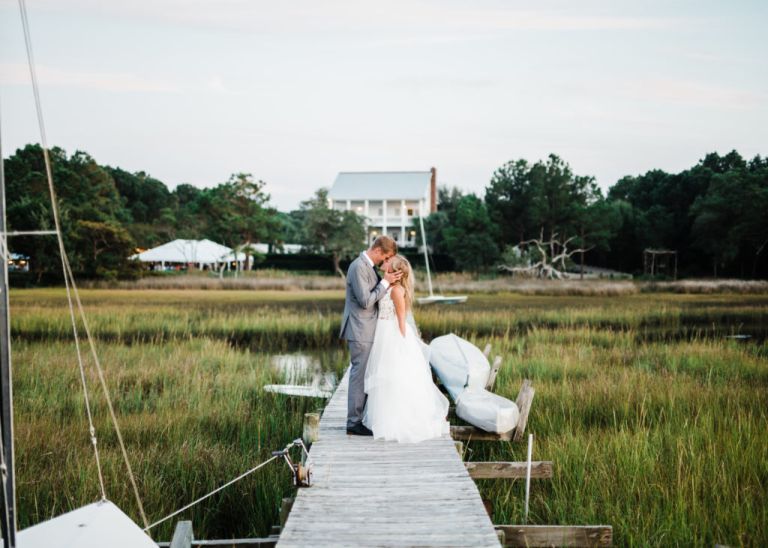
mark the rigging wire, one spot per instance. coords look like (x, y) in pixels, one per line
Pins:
(105, 390)
(71, 290)
(191, 504)
(69, 281)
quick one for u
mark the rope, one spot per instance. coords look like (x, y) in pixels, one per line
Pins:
(30, 233)
(69, 280)
(105, 390)
(191, 504)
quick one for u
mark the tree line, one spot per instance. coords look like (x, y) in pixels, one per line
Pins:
(712, 214)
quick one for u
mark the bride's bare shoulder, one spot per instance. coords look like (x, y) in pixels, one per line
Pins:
(398, 294)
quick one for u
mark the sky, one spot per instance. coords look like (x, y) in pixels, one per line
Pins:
(191, 91)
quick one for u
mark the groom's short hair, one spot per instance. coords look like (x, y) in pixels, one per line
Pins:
(385, 243)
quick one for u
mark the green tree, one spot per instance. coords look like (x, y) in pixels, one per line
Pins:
(85, 192)
(338, 233)
(100, 250)
(470, 238)
(509, 199)
(730, 220)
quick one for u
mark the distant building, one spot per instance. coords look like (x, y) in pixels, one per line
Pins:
(388, 200)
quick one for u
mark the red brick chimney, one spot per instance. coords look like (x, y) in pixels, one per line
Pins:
(433, 191)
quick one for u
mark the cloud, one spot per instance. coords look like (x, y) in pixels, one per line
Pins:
(216, 84)
(18, 74)
(439, 16)
(692, 93)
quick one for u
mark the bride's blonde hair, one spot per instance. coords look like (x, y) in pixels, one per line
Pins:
(401, 264)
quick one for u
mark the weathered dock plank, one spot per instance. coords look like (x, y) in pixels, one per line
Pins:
(374, 493)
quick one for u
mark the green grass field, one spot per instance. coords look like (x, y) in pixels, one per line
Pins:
(655, 420)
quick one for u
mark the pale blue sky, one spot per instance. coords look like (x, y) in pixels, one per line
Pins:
(294, 92)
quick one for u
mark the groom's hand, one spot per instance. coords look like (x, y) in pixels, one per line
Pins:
(393, 277)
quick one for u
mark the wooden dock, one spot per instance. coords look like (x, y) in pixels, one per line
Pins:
(375, 493)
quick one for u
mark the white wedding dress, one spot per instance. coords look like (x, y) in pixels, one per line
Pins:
(403, 403)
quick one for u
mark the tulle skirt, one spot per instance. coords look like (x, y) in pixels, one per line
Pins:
(403, 403)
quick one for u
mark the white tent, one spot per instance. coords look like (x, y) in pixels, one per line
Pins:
(200, 252)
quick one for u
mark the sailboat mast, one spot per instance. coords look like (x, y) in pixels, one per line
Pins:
(8, 498)
(426, 256)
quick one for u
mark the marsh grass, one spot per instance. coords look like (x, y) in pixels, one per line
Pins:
(666, 442)
(281, 280)
(276, 320)
(193, 416)
(655, 421)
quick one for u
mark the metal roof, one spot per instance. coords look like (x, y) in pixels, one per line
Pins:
(381, 185)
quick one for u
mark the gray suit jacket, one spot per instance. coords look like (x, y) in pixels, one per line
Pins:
(361, 308)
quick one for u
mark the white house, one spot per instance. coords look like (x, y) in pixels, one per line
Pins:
(389, 200)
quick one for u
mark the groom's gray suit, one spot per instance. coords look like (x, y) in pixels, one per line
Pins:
(361, 311)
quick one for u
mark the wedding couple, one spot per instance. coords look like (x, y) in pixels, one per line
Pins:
(391, 393)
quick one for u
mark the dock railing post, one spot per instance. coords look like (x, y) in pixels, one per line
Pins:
(311, 428)
(182, 536)
(528, 475)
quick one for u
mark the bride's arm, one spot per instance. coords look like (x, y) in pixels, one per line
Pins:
(398, 297)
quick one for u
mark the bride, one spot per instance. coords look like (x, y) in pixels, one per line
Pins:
(403, 403)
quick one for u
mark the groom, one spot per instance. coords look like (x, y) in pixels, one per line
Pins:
(361, 308)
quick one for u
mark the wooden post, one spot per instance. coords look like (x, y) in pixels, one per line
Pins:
(487, 350)
(182, 535)
(311, 428)
(488, 503)
(472, 433)
(524, 400)
(285, 509)
(494, 371)
(675, 265)
(557, 535)
(508, 470)
(459, 448)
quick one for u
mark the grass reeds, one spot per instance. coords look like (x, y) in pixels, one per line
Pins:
(665, 441)
(654, 419)
(456, 282)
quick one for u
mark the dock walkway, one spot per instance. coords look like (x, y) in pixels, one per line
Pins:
(375, 493)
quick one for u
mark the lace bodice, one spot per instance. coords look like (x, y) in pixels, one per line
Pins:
(386, 308)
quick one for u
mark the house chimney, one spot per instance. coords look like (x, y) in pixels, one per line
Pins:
(433, 191)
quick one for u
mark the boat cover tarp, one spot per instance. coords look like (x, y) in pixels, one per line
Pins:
(488, 411)
(458, 363)
(464, 370)
(97, 525)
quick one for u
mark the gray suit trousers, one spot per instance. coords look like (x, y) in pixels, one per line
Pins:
(358, 353)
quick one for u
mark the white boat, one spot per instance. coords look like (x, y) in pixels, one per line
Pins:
(432, 298)
(441, 299)
(464, 371)
(298, 390)
(303, 377)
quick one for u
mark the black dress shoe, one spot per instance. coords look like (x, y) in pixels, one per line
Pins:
(359, 430)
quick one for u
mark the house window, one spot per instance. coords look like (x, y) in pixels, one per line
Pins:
(381, 211)
(410, 212)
